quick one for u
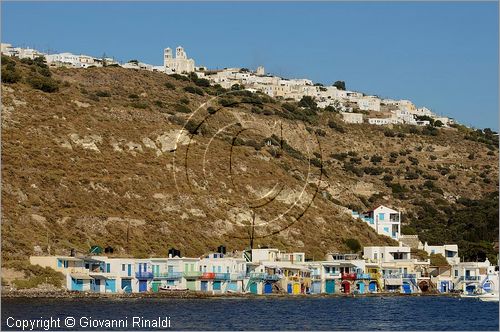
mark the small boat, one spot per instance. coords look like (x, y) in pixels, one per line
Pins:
(169, 288)
(489, 297)
(485, 297)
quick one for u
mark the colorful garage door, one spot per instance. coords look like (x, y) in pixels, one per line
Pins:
(96, 285)
(76, 284)
(372, 287)
(233, 286)
(316, 287)
(347, 286)
(330, 286)
(217, 285)
(361, 287)
(296, 288)
(204, 286)
(268, 288)
(110, 285)
(406, 288)
(143, 285)
(127, 285)
(191, 285)
(253, 288)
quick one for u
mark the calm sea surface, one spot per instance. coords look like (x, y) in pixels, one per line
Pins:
(373, 313)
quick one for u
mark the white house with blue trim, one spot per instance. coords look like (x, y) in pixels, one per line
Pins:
(383, 220)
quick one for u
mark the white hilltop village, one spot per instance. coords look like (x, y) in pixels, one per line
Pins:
(355, 107)
(405, 267)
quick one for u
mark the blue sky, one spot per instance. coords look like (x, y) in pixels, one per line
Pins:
(440, 55)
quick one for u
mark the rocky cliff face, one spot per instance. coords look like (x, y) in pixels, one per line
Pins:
(141, 161)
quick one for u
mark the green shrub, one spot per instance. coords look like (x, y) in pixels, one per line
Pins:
(101, 93)
(376, 159)
(181, 108)
(194, 90)
(353, 244)
(139, 104)
(133, 96)
(334, 125)
(184, 101)
(169, 86)
(45, 84)
(9, 73)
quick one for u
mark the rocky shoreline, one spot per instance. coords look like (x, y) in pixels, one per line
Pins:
(64, 294)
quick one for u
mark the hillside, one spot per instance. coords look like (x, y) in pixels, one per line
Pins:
(101, 157)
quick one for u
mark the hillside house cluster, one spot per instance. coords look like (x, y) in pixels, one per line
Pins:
(268, 270)
(355, 107)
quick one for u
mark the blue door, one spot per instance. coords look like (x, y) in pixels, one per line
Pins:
(204, 286)
(127, 285)
(76, 284)
(143, 285)
(289, 288)
(330, 286)
(96, 286)
(372, 287)
(268, 288)
(110, 285)
(406, 288)
(217, 285)
(444, 286)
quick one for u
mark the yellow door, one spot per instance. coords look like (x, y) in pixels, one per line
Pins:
(296, 288)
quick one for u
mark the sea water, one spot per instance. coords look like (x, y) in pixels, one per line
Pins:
(260, 313)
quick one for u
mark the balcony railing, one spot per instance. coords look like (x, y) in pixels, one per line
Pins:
(392, 276)
(192, 274)
(409, 275)
(208, 275)
(362, 276)
(222, 276)
(469, 278)
(144, 275)
(238, 276)
(168, 275)
(264, 276)
(349, 276)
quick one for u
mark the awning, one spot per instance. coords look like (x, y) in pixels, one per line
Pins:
(102, 276)
(81, 276)
(393, 282)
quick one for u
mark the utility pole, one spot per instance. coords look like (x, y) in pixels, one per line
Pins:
(252, 230)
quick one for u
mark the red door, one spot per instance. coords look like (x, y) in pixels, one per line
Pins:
(347, 287)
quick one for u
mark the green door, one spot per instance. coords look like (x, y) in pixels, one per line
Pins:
(253, 288)
(191, 284)
(155, 286)
(330, 286)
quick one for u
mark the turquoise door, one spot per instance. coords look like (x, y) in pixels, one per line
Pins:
(127, 285)
(253, 288)
(233, 286)
(110, 285)
(217, 285)
(129, 271)
(77, 284)
(361, 287)
(330, 286)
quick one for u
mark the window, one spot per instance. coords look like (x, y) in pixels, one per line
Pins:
(456, 273)
(375, 255)
(123, 267)
(108, 267)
